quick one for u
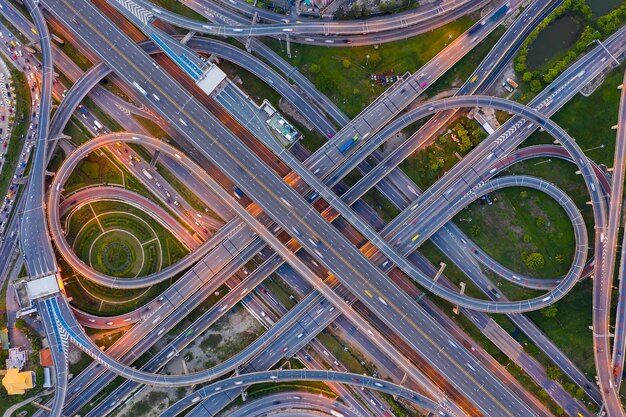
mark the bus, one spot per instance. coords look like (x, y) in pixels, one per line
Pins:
(349, 143)
(146, 173)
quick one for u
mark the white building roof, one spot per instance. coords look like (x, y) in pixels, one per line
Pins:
(211, 79)
(42, 287)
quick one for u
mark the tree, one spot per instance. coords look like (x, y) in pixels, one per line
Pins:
(540, 221)
(356, 91)
(580, 393)
(475, 231)
(346, 63)
(523, 194)
(550, 75)
(559, 258)
(550, 312)
(534, 261)
(535, 86)
(554, 373)
(527, 76)
(325, 83)
(355, 10)
(374, 59)
(314, 68)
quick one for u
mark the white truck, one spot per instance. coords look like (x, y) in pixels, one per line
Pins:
(147, 174)
(140, 88)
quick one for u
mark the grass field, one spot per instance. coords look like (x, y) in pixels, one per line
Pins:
(509, 227)
(179, 8)
(122, 242)
(75, 130)
(92, 170)
(589, 120)
(401, 56)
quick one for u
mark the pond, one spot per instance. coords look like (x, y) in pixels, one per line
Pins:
(602, 7)
(553, 41)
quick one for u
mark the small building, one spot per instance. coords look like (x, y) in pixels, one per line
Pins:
(45, 357)
(47, 383)
(16, 359)
(16, 382)
(211, 79)
(43, 287)
(283, 128)
(284, 131)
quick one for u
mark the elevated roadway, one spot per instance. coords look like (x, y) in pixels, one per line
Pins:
(606, 250)
(35, 243)
(240, 58)
(384, 242)
(92, 350)
(429, 14)
(115, 137)
(218, 14)
(58, 235)
(59, 314)
(34, 238)
(186, 127)
(412, 116)
(86, 17)
(295, 401)
(123, 195)
(237, 382)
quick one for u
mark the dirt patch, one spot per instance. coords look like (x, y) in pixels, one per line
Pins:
(74, 355)
(225, 338)
(292, 112)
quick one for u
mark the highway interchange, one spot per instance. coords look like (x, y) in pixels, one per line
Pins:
(284, 205)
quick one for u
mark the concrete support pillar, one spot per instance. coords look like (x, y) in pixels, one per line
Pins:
(456, 309)
(188, 36)
(155, 158)
(442, 266)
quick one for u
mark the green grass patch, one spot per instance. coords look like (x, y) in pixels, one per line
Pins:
(589, 120)
(152, 127)
(133, 244)
(188, 195)
(74, 54)
(101, 115)
(94, 169)
(511, 227)
(341, 82)
(179, 8)
(430, 163)
(350, 361)
(77, 131)
(280, 290)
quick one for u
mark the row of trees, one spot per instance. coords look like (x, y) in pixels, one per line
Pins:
(610, 22)
(581, 10)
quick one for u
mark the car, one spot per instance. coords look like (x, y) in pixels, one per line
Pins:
(286, 348)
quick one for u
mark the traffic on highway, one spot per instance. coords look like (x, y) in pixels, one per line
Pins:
(312, 208)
